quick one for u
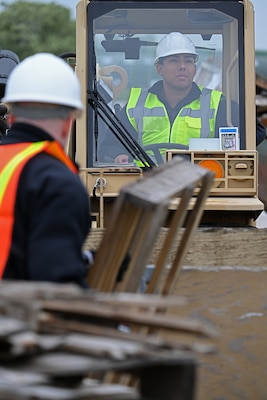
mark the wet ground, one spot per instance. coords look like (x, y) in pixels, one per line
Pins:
(262, 220)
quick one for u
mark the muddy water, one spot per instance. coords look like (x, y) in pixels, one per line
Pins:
(262, 153)
(224, 278)
(261, 221)
(233, 300)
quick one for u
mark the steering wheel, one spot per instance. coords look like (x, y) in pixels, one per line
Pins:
(156, 147)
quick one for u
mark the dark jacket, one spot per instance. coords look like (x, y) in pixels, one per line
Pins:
(110, 147)
(52, 217)
(260, 132)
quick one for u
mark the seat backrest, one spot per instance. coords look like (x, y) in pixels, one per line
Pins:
(175, 191)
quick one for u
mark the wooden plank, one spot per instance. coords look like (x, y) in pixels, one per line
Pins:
(139, 212)
(54, 365)
(27, 343)
(103, 274)
(15, 293)
(233, 299)
(165, 182)
(21, 385)
(140, 247)
(147, 319)
(136, 299)
(55, 325)
(10, 326)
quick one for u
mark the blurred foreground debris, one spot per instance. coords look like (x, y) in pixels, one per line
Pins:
(53, 338)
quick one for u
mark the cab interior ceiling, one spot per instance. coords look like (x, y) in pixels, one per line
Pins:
(151, 21)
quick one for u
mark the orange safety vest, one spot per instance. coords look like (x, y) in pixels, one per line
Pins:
(12, 161)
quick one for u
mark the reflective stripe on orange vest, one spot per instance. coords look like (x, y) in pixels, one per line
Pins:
(12, 161)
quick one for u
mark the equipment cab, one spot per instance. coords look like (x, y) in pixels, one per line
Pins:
(116, 44)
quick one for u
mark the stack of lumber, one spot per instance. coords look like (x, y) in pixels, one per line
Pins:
(54, 338)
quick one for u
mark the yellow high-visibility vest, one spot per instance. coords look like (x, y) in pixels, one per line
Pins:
(149, 117)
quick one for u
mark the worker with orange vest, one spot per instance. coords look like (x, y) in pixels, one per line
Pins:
(44, 207)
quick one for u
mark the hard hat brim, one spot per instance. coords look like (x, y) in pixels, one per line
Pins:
(41, 99)
(171, 53)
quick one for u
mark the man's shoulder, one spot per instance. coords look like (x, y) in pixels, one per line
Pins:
(44, 167)
(46, 177)
(156, 88)
(204, 89)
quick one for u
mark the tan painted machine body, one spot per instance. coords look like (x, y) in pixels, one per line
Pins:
(116, 44)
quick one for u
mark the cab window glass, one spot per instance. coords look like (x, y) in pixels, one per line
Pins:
(124, 45)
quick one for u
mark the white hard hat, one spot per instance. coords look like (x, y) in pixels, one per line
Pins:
(44, 78)
(175, 43)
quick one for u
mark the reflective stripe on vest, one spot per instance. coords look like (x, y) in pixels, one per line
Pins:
(12, 161)
(149, 117)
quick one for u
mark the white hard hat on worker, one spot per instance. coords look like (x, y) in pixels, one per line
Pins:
(175, 43)
(44, 78)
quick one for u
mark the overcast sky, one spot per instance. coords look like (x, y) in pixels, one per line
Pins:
(260, 7)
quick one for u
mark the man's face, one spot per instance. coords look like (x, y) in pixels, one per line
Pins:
(177, 70)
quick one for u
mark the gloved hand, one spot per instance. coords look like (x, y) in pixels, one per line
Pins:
(88, 257)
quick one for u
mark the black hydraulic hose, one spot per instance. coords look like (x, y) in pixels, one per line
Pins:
(117, 128)
(67, 54)
(100, 107)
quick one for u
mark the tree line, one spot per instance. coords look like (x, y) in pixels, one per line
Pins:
(28, 27)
